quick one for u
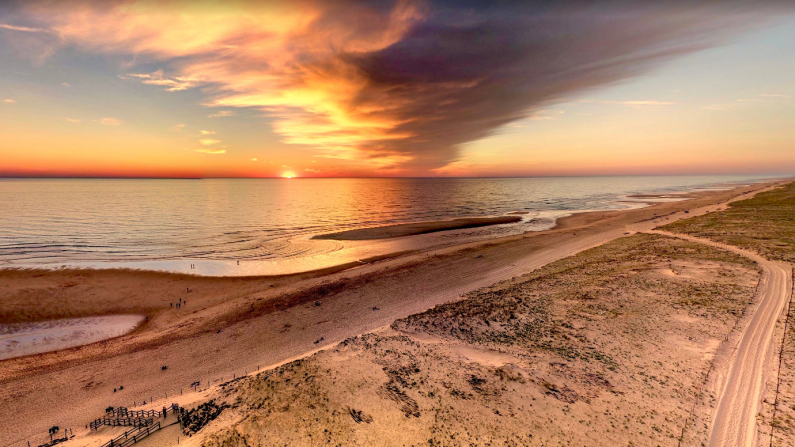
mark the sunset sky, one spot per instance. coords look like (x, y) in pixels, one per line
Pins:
(405, 88)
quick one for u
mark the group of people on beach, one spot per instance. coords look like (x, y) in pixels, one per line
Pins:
(180, 303)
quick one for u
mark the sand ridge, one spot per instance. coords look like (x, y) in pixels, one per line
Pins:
(415, 228)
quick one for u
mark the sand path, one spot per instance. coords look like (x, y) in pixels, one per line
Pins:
(39, 394)
(740, 385)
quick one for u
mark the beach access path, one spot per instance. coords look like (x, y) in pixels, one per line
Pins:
(740, 383)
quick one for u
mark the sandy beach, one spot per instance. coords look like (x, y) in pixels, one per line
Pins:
(227, 327)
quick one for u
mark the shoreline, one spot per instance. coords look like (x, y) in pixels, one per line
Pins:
(366, 243)
(571, 219)
(241, 323)
(317, 276)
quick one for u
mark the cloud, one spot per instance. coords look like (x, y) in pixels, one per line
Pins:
(66, 84)
(540, 115)
(718, 107)
(208, 142)
(72, 120)
(178, 127)
(207, 132)
(634, 103)
(23, 28)
(253, 159)
(10, 101)
(221, 114)
(395, 83)
(647, 103)
(172, 83)
(110, 122)
(211, 151)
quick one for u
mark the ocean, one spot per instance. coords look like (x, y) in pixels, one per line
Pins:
(264, 226)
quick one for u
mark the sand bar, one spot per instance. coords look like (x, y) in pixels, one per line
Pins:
(412, 229)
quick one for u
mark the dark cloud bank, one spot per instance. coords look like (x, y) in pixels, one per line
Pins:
(466, 69)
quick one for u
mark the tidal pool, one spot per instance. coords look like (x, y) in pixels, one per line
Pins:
(19, 339)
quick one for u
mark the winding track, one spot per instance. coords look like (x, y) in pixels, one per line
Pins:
(740, 385)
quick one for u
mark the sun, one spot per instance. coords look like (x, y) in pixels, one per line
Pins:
(288, 175)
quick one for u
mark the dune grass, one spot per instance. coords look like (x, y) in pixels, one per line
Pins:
(764, 223)
(607, 347)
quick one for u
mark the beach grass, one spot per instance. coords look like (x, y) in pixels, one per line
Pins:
(607, 345)
(764, 224)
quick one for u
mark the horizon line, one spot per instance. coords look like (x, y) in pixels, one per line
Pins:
(101, 177)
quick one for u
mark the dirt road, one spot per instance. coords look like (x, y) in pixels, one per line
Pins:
(740, 386)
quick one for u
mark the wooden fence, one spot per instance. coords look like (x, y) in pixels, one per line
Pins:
(141, 435)
(124, 412)
(133, 436)
(121, 422)
(121, 416)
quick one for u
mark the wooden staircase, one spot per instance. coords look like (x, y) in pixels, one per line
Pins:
(142, 421)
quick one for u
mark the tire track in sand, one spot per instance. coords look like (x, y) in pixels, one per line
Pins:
(740, 385)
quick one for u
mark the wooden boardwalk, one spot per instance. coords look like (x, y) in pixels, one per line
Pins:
(142, 421)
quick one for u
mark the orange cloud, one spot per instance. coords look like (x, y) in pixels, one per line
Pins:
(172, 84)
(274, 57)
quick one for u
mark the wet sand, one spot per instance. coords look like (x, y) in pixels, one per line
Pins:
(413, 229)
(20, 339)
(235, 325)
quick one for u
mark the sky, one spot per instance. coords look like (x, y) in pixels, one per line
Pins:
(313, 88)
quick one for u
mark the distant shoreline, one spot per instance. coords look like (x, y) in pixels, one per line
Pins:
(416, 228)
